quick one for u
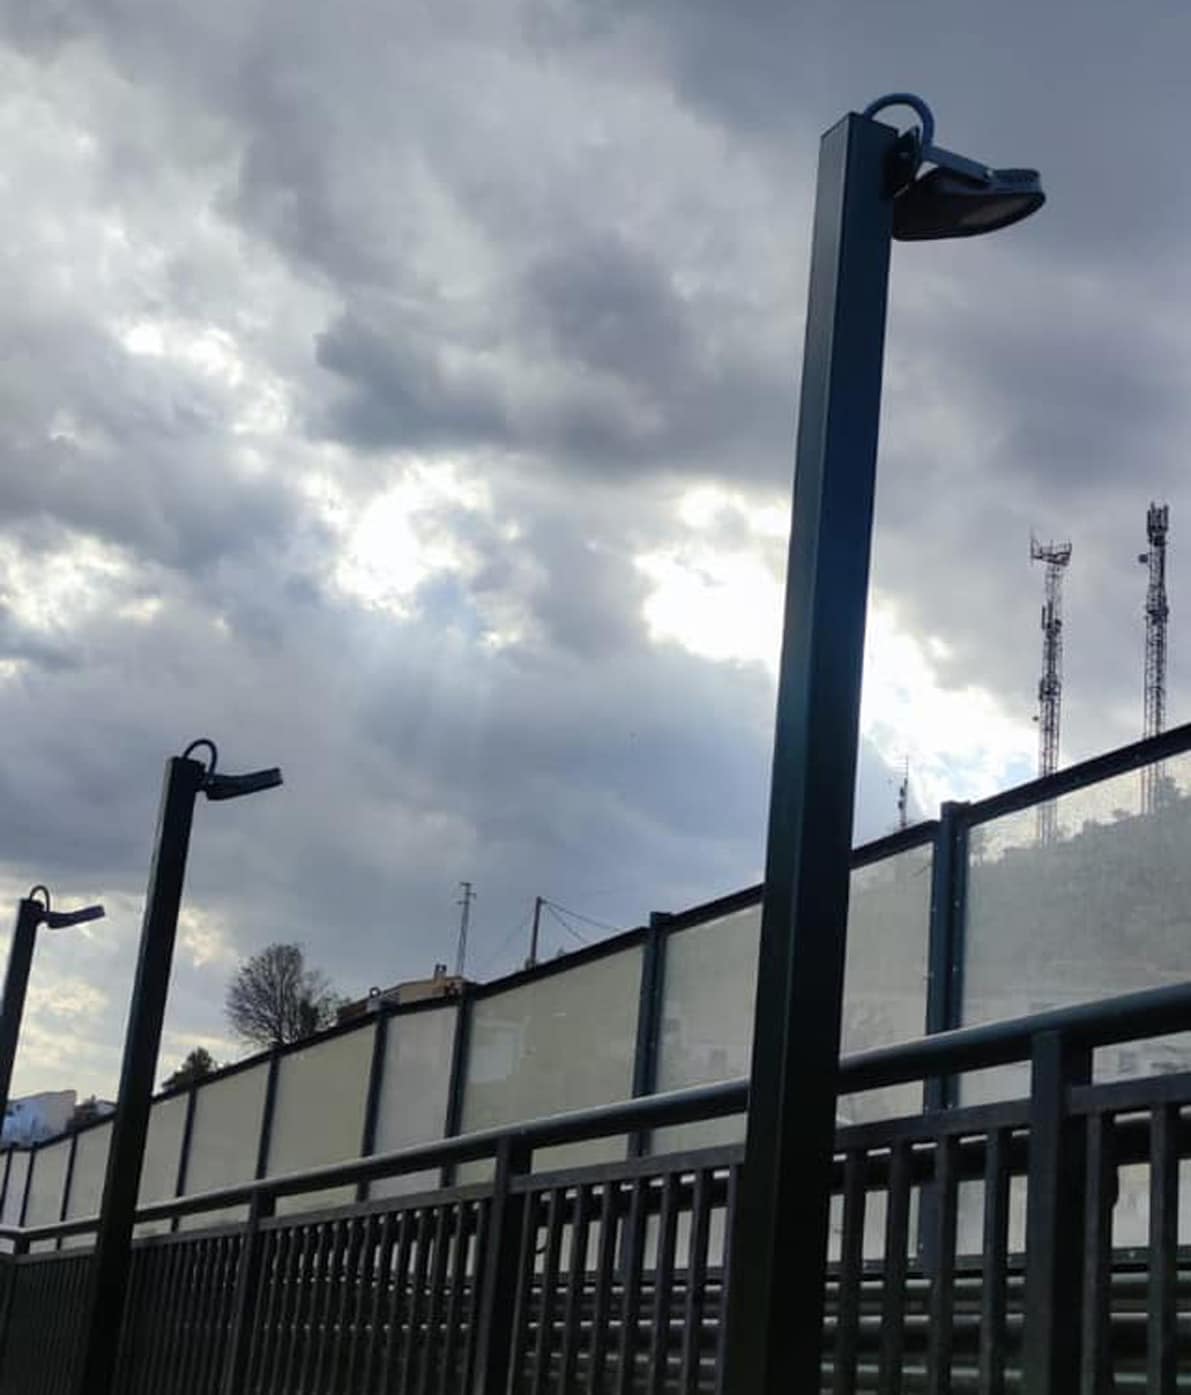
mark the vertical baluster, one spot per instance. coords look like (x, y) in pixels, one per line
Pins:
(360, 1293)
(630, 1285)
(450, 1371)
(851, 1274)
(1162, 1336)
(275, 1258)
(381, 1278)
(555, 1215)
(659, 1352)
(313, 1239)
(576, 1289)
(398, 1301)
(1096, 1352)
(696, 1281)
(348, 1280)
(527, 1251)
(893, 1299)
(726, 1275)
(995, 1264)
(413, 1336)
(602, 1294)
(942, 1291)
(479, 1228)
(431, 1347)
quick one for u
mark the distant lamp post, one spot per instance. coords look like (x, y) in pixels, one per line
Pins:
(874, 185)
(32, 913)
(185, 779)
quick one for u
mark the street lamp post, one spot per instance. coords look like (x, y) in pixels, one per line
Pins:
(871, 189)
(185, 779)
(32, 913)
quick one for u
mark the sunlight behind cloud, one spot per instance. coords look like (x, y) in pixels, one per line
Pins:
(718, 594)
(393, 542)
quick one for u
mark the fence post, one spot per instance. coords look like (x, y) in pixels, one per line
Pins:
(1056, 1183)
(457, 1078)
(948, 893)
(948, 889)
(20, 1248)
(649, 1013)
(248, 1278)
(502, 1257)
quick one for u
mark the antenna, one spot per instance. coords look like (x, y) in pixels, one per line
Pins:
(1157, 613)
(1055, 557)
(465, 901)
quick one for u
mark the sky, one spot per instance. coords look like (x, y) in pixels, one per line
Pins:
(405, 395)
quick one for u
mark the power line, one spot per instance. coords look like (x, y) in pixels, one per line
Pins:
(578, 915)
(568, 928)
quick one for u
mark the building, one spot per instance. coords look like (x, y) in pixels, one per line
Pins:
(37, 1117)
(416, 990)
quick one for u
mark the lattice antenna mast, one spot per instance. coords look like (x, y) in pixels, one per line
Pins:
(1055, 558)
(1157, 614)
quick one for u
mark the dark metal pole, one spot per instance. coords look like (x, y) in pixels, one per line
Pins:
(109, 1275)
(779, 1242)
(534, 932)
(30, 914)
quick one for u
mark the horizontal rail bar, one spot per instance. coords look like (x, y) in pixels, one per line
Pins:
(1089, 772)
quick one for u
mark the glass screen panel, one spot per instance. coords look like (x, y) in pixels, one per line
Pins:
(225, 1138)
(560, 1042)
(1086, 897)
(414, 1088)
(318, 1116)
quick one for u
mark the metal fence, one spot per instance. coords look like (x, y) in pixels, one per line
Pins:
(972, 1249)
(971, 918)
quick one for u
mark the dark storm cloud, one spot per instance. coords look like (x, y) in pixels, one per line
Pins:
(563, 252)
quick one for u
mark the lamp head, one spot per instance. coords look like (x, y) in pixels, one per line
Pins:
(60, 920)
(948, 203)
(217, 786)
(958, 197)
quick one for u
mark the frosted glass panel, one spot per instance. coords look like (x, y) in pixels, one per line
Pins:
(86, 1182)
(1102, 907)
(163, 1148)
(319, 1113)
(708, 991)
(14, 1197)
(48, 1184)
(887, 965)
(710, 982)
(563, 1041)
(225, 1138)
(414, 1087)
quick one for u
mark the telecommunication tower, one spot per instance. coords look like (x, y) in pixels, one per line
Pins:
(1157, 613)
(1055, 557)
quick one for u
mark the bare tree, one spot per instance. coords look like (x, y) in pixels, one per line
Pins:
(198, 1063)
(274, 998)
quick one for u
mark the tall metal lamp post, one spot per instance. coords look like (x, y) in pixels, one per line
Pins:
(32, 913)
(185, 779)
(874, 184)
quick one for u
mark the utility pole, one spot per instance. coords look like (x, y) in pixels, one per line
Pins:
(1056, 557)
(465, 902)
(903, 797)
(1157, 613)
(538, 903)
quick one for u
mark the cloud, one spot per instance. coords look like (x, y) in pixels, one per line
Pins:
(407, 399)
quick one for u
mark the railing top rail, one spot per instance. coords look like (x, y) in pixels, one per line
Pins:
(1131, 1016)
(1089, 772)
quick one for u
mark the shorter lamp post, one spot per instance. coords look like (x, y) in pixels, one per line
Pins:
(185, 780)
(32, 913)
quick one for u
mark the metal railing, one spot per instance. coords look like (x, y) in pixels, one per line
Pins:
(611, 1277)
